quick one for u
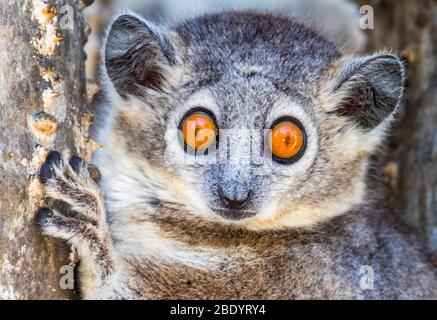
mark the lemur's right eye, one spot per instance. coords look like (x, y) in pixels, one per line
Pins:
(199, 130)
(287, 140)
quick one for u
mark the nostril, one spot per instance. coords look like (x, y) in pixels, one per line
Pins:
(235, 201)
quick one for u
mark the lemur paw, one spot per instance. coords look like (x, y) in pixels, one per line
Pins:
(69, 181)
(82, 222)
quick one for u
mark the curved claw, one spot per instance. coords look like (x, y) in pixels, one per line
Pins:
(46, 171)
(77, 163)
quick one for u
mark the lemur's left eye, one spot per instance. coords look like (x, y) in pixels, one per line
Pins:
(199, 130)
(287, 140)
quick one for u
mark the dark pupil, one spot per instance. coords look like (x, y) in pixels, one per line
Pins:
(287, 140)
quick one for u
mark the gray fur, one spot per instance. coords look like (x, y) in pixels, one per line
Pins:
(308, 230)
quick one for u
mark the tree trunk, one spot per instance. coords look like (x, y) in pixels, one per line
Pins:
(42, 106)
(410, 27)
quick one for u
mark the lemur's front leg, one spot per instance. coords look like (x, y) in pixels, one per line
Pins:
(83, 222)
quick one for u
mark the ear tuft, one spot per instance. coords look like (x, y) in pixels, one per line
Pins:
(137, 53)
(370, 89)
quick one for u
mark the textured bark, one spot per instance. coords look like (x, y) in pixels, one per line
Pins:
(410, 27)
(29, 262)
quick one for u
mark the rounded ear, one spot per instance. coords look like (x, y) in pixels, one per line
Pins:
(136, 55)
(368, 89)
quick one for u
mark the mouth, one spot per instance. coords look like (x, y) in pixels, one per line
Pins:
(234, 214)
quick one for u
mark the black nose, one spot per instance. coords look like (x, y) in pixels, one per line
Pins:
(236, 200)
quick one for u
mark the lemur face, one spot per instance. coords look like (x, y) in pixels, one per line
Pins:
(231, 122)
(250, 144)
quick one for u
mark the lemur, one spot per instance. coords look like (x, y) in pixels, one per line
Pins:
(185, 211)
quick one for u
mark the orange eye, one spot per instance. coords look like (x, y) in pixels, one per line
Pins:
(287, 140)
(199, 130)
